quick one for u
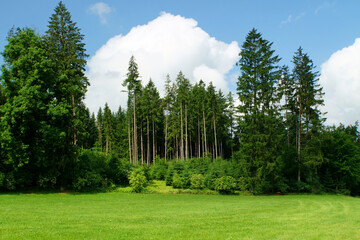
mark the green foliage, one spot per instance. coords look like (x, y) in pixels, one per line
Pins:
(138, 180)
(177, 181)
(197, 181)
(225, 185)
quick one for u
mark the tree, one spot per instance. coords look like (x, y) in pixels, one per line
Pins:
(133, 84)
(63, 42)
(259, 114)
(183, 89)
(27, 135)
(308, 97)
(108, 128)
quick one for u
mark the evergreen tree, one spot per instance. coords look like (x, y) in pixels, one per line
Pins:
(259, 114)
(63, 42)
(308, 97)
(133, 84)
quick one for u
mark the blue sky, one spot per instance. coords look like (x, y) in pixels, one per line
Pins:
(320, 27)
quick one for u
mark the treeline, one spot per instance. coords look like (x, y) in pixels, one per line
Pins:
(274, 140)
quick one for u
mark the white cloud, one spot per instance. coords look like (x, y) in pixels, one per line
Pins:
(288, 20)
(340, 77)
(291, 19)
(163, 46)
(100, 9)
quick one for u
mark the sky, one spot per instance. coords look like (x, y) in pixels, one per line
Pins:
(203, 40)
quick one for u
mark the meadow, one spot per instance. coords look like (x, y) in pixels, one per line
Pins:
(118, 215)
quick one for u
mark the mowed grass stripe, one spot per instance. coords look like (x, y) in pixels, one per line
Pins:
(178, 216)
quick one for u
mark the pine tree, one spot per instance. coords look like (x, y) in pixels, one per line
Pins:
(308, 97)
(259, 113)
(64, 44)
(133, 84)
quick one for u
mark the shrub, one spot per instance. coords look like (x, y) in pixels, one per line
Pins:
(138, 180)
(225, 185)
(177, 181)
(89, 181)
(197, 181)
(169, 175)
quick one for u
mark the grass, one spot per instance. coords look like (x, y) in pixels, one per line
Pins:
(120, 215)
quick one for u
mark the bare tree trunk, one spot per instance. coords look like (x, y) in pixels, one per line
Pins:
(186, 135)
(205, 150)
(154, 151)
(190, 146)
(216, 147)
(142, 145)
(299, 143)
(166, 120)
(129, 136)
(182, 135)
(135, 133)
(148, 141)
(100, 136)
(177, 147)
(199, 138)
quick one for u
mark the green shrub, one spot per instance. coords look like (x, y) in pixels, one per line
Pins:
(169, 175)
(225, 185)
(90, 181)
(138, 180)
(197, 181)
(177, 181)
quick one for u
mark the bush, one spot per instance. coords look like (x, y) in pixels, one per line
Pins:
(138, 180)
(177, 181)
(225, 185)
(90, 181)
(197, 181)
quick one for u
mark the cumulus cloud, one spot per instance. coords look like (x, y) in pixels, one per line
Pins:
(101, 10)
(340, 77)
(163, 46)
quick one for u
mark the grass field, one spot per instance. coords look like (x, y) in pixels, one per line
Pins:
(177, 216)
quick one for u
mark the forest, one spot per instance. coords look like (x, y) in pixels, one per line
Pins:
(195, 136)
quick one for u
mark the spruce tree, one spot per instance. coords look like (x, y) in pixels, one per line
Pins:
(308, 96)
(64, 44)
(133, 84)
(259, 114)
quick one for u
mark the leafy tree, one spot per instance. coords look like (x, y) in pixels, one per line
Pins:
(27, 134)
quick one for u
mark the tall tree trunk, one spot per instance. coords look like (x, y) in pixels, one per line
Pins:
(154, 151)
(129, 136)
(135, 134)
(177, 147)
(186, 135)
(299, 142)
(190, 146)
(148, 141)
(166, 120)
(142, 145)
(182, 135)
(205, 149)
(199, 138)
(215, 138)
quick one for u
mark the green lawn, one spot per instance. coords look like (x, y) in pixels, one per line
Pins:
(177, 216)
